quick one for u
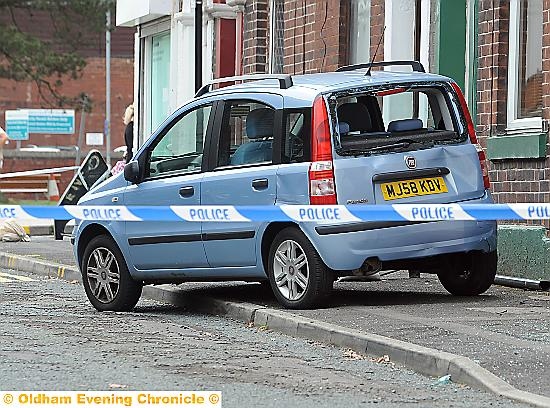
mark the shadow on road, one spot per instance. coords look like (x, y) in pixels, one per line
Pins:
(385, 293)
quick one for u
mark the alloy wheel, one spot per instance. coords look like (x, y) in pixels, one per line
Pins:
(103, 275)
(291, 270)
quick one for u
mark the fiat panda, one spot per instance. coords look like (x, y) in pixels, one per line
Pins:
(355, 137)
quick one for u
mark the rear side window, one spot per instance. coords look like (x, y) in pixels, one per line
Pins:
(246, 134)
(297, 136)
(399, 118)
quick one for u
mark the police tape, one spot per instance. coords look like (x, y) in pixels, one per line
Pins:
(299, 213)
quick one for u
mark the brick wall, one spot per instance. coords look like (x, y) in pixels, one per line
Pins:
(546, 61)
(315, 34)
(332, 35)
(512, 180)
(14, 95)
(493, 68)
(20, 161)
(377, 28)
(299, 37)
(256, 26)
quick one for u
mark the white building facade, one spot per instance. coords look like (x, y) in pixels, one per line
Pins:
(164, 75)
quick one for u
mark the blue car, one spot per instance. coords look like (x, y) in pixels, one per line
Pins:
(353, 137)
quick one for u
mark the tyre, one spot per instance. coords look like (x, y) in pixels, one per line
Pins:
(469, 274)
(298, 276)
(105, 276)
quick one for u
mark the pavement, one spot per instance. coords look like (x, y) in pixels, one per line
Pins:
(51, 339)
(498, 341)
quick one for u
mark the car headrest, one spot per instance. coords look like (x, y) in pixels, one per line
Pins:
(405, 125)
(259, 123)
(343, 128)
(356, 115)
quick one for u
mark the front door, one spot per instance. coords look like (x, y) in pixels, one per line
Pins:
(243, 172)
(173, 174)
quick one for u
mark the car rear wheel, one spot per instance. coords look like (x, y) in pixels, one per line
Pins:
(298, 276)
(106, 279)
(469, 275)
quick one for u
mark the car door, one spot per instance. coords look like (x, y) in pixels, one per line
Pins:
(242, 171)
(172, 176)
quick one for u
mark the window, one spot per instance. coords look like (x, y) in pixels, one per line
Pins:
(160, 79)
(360, 25)
(422, 120)
(296, 143)
(181, 148)
(247, 134)
(525, 65)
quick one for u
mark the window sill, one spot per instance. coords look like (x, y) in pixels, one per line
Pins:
(518, 146)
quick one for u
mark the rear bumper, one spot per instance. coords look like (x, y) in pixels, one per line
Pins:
(346, 246)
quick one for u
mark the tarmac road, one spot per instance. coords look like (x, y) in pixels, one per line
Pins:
(52, 339)
(507, 331)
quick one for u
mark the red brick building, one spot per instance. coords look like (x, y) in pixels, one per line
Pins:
(513, 97)
(20, 95)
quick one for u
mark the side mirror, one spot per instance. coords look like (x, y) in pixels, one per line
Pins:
(131, 172)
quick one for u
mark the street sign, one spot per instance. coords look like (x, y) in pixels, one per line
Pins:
(93, 169)
(17, 124)
(57, 121)
(94, 139)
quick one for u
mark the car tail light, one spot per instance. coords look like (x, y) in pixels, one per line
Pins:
(472, 134)
(322, 189)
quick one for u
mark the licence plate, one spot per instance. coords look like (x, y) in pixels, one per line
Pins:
(413, 188)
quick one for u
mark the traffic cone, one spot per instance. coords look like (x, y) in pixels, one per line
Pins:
(53, 191)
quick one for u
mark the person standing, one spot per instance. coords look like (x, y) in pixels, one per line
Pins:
(128, 120)
(3, 140)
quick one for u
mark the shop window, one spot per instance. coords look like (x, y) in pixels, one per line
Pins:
(525, 65)
(160, 79)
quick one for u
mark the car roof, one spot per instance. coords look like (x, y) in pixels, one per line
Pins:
(306, 87)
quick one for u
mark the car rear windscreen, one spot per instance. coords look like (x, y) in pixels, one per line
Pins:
(397, 118)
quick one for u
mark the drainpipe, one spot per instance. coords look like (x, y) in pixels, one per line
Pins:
(108, 88)
(198, 45)
(521, 283)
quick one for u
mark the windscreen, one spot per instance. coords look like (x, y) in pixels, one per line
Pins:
(398, 118)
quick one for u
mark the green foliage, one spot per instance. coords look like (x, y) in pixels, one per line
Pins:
(47, 55)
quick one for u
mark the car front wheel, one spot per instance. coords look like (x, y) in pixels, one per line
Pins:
(298, 276)
(106, 279)
(469, 274)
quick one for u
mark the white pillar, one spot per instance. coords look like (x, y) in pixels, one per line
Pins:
(182, 74)
(399, 45)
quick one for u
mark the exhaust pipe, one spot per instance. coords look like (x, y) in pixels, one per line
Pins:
(371, 266)
(368, 272)
(522, 283)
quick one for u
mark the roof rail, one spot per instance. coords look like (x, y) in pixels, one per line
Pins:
(415, 65)
(285, 81)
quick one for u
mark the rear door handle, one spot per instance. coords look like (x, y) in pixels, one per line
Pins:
(187, 191)
(260, 184)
